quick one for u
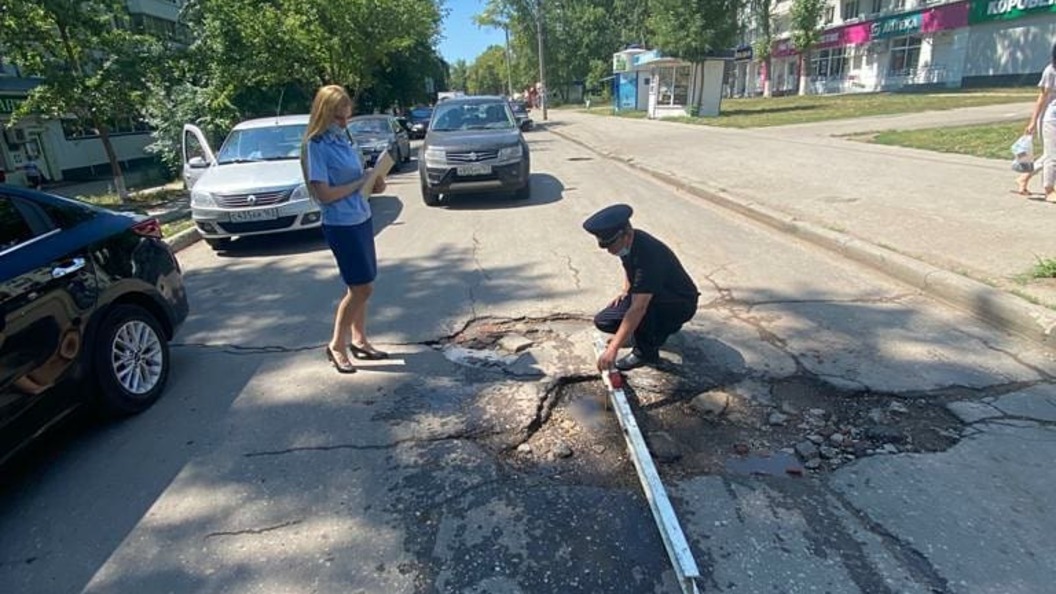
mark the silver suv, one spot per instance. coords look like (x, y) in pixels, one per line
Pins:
(254, 185)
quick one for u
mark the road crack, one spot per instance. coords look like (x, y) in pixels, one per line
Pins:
(254, 531)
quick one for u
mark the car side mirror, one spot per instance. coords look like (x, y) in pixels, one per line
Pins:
(197, 163)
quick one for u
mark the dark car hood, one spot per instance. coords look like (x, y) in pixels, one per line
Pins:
(473, 139)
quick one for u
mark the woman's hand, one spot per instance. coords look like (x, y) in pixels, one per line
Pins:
(1030, 128)
(379, 186)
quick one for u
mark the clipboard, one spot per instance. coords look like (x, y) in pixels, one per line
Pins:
(381, 169)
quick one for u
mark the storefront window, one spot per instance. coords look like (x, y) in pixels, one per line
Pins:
(829, 63)
(681, 95)
(878, 5)
(673, 85)
(905, 54)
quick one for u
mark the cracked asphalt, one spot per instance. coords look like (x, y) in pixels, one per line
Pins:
(466, 465)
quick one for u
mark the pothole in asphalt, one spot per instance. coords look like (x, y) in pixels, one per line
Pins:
(697, 417)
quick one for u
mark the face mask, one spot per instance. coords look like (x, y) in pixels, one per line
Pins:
(623, 253)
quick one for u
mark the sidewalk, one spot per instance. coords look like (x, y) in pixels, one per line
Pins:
(948, 224)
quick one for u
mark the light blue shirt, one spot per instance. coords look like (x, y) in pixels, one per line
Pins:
(335, 160)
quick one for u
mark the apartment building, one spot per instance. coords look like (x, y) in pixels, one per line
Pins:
(884, 45)
(68, 149)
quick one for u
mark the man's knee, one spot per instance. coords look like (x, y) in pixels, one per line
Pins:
(606, 322)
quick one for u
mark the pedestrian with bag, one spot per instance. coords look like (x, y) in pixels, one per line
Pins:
(334, 173)
(34, 176)
(1045, 112)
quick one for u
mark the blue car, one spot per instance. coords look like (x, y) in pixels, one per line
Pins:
(89, 300)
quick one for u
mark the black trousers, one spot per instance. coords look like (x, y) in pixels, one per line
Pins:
(661, 320)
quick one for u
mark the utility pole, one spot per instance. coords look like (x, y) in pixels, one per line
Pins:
(544, 91)
(509, 66)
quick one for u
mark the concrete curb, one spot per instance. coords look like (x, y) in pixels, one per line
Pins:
(999, 308)
(183, 239)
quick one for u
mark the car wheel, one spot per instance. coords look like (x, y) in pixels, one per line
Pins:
(430, 197)
(131, 360)
(218, 243)
(524, 193)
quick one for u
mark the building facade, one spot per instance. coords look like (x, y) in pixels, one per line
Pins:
(885, 45)
(66, 149)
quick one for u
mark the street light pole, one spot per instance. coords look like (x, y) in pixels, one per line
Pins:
(509, 66)
(543, 92)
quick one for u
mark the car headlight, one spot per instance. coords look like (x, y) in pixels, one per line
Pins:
(300, 193)
(202, 199)
(435, 156)
(511, 153)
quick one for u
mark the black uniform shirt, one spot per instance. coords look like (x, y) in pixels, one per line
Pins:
(652, 268)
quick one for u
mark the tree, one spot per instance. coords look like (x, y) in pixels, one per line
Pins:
(486, 75)
(497, 15)
(90, 63)
(308, 43)
(762, 13)
(806, 31)
(458, 76)
(693, 29)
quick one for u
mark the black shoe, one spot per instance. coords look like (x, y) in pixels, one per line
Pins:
(341, 368)
(371, 354)
(634, 361)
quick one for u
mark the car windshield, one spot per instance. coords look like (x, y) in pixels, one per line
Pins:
(273, 143)
(472, 116)
(369, 127)
(421, 115)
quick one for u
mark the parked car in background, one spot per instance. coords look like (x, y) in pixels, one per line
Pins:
(89, 300)
(254, 185)
(377, 134)
(418, 120)
(473, 146)
(520, 112)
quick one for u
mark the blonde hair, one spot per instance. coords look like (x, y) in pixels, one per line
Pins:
(328, 100)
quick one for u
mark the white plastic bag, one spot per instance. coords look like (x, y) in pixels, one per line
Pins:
(1023, 149)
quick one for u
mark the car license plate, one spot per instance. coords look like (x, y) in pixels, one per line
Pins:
(247, 216)
(474, 169)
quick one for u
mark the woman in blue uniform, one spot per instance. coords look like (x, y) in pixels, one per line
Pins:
(335, 174)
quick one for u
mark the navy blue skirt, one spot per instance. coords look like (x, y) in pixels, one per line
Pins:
(353, 248)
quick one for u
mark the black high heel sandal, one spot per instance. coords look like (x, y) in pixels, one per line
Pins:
(371, 354)
(346, 368)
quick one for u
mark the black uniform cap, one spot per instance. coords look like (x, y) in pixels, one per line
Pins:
(607, 223)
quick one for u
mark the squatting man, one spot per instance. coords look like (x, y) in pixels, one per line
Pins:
(658, 297)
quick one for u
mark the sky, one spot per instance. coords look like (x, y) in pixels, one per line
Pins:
(461, 38)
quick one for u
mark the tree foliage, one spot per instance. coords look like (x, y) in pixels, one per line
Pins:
(762, 12)
(91, 64)
(309, 43)
(694, 29)
(458, 75)
(806, 18)
(487, 75)
(806, 31)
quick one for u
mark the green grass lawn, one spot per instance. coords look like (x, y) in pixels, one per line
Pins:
(757, 112)
(173, 227)
(991, 141)
(141, 199)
